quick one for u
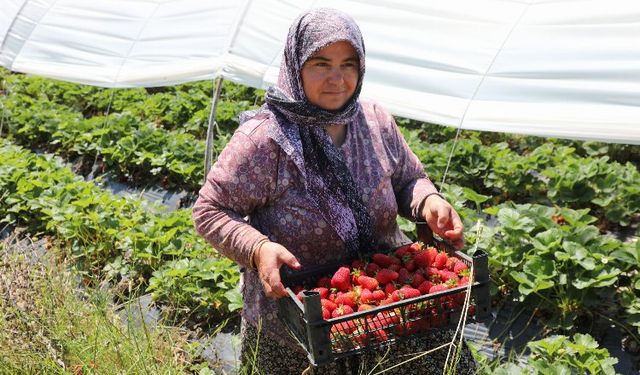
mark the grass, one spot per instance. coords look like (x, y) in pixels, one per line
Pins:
(51, 326)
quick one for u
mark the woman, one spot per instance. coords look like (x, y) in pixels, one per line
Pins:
(320, 175)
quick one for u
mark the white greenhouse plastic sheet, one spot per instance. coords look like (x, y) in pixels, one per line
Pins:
(554, 68)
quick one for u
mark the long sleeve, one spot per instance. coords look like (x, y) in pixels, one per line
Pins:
(240, 181)
(410, 182)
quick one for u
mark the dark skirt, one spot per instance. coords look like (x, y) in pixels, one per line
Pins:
(273, 358)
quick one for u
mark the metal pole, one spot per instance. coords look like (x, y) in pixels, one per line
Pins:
(211, 128)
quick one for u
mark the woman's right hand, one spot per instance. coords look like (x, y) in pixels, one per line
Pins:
(268, 258)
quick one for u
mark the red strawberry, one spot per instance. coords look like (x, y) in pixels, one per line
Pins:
(395, 260)
(324, 282)
(347, 298)
(385, 276)
(365, 307)
(347, 327)
(383, 260)
(380, 335)
(410, 265)
(425, 287)
(324, 292)
(432, 253)
(437, 288)
(446, 275)
(390, 288)
(459, 267)
(357, 264)
(326, 314)
(422, 259)
(355, 274)
(329, 305)
(415, 247)
(451, 262)
(395, 267)
(378, 295)
(403, 275)
(402, 251)
(341, 280)
(342, 310)
(387, 301)
(417, 280)
(368, 282)
(371, 269)
(366, 296)
(405, 293)
(464, 280)
(441, 260)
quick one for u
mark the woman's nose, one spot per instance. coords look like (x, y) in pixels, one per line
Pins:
(336, 75)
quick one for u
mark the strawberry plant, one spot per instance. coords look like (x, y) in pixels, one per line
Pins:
(555, 260)
(559, 355)
(115, 237)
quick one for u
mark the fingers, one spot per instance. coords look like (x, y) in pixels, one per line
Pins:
(287, 258)
(445, 221)
(272, 257)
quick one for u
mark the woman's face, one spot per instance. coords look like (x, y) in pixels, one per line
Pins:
(330, 76)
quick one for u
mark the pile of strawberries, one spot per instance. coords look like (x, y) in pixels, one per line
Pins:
(410, 271)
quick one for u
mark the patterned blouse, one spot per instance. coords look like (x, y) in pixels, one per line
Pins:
(254, 191)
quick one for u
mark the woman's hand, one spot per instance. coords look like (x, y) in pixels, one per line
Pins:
(443, 220)
(268, 258)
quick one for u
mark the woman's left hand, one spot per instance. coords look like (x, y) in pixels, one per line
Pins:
(443, 220)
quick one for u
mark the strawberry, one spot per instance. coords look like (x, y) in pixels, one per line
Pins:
(347, 298)
(441, 260)
(471, 310)
(371, 269)
(446, 275)
(402, 251)
(405, 293)
(464, 280)
(395, 267)
(395, 260)
(385, 276)
(380, 335)
(329, 305)
(451, 262)
(421, 259)
(366, 296)
(417, 280)
(410, 265)
(379, 295)
(324, 282)
(326, 314)
(346, 327)
(324, 292)
(357, 264)
(341, 280)
(365, 307)
(403, 275)
(342, 310)
(390, 288)
(432, 252)
(387, 301)
(438, 288)
(367, 282)
(383, 260)
(459, 267)
(416, 247)
(424, 287)
(355, 274)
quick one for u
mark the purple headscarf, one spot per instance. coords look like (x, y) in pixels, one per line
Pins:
(299, 126)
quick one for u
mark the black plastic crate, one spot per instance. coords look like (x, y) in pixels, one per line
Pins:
(335, 338)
